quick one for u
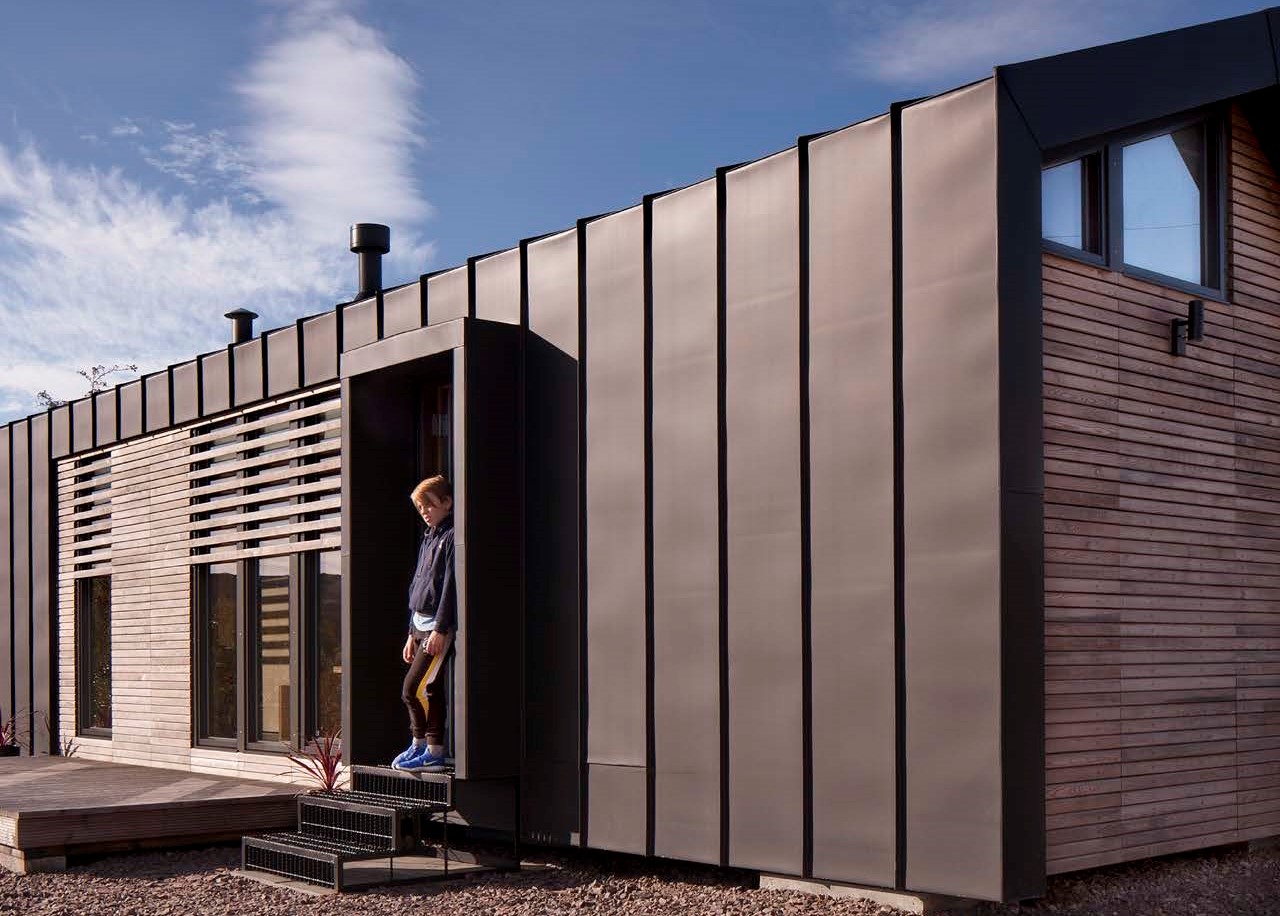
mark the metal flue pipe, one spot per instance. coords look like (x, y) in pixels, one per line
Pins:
(370, 241)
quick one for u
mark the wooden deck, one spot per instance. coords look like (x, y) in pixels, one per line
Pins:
(52, 807)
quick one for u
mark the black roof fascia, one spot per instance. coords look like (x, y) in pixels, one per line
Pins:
(1073, 96)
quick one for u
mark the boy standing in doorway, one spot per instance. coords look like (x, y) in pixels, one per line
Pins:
(433, 614)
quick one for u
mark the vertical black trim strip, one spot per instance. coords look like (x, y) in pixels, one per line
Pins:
(522, 408)
(651, 761)
(302, 361)
(231, 382)
(471, 290)
(584, 709)
(806, 539)
(899, 583)
(7, 577)
(722, 485)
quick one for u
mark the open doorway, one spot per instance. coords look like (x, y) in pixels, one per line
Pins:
(441, 399)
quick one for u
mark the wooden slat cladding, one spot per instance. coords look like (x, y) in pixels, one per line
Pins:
(88, 487)
(264, 481)
(1162, 550)
(128, 512)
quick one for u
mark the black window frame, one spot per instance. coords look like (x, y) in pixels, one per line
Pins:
(84, 656)
(1110, 148)
(303, 614)
(309, 641)
(199, 646)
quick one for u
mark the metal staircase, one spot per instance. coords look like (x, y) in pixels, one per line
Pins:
(386, 814)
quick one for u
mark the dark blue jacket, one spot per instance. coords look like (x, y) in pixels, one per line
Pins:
(432, 591)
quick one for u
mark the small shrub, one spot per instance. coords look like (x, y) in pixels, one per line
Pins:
(321, 759)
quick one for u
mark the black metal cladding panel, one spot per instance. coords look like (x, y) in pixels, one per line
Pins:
(379, 533)
(156, 392)
(762, 428)
(282, 361)
(43, 631)
(491, 479)
(21, 551)
(402, 309)
(686, 551)
(552, 687)
(82, 424)
(186, 392)
(130, 409)
(359, 323)
(951, 477)
(497, 280)
(106, 412)
(1021, 504)
(246, 366)
(6, 575)
(615, 485)
(61, 431)
(851, 498)
(320, 348)
(448, 295)
(1074, 96)
(215, 383)
(553, 290)
(616, 794)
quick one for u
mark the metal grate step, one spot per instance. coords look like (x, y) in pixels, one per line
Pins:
(301, 857)
(338, 818)
(429, 788)
(399, 802)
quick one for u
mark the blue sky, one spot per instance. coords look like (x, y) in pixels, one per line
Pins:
(162, 163)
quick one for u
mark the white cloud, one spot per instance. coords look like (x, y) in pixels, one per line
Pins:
(931, 43)
(334, 128)
(102, 270)
(98, 267)
(202, 158)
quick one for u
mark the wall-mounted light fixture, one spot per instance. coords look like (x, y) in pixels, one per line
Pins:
(1190, 328)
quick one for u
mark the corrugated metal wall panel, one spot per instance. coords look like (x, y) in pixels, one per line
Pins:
(21, 553)
(82, 424)
(951, 479)
(686, 539)
(617, 634)
(552, 639)
(497, 293)
(762, 429)
(359, 323)
(215, 389)
(403, 309)
(852, 497)
(106, 411)
(282, 361)
(157, 408)
(43, 628)
(247, 366)
(448, 295)
(8, 649)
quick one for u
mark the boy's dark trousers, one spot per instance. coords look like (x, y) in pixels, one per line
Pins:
(423, 691)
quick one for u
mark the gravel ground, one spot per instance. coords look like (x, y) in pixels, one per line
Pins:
(201, 882)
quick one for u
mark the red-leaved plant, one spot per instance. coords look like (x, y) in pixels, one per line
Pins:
(321, 759)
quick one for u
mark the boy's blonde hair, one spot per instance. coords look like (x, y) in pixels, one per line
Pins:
(438, 486)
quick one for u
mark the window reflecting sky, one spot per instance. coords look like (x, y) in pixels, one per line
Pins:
(1062, 219)
(1162, 204)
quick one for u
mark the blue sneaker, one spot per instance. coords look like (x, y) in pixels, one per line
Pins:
(424, 763)
(407, 754)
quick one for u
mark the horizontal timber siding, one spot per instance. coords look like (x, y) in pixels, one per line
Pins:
(1162, 550)
(127, 512)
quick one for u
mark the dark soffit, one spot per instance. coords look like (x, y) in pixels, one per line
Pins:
(1081, 94)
